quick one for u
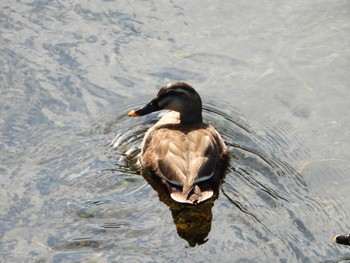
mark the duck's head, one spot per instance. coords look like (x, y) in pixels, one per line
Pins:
(177, 96)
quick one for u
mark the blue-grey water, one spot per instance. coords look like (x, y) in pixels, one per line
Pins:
(274, 79)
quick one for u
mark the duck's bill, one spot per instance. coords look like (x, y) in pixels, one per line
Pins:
(150, 107)
(133, 113)
(342, 239)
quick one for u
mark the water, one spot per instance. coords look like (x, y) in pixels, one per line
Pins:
(274, 80)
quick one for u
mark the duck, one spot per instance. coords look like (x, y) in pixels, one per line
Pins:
(187, 154)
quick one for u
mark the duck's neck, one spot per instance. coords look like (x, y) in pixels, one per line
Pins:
(191, 117)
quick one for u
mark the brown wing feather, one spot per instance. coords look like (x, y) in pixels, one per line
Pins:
(172, 161)
(202, 157)
(182, 157)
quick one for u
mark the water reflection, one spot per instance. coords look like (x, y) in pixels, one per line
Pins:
(193, 223)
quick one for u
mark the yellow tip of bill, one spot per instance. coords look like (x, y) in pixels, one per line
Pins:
(132, 114)
(335, 239)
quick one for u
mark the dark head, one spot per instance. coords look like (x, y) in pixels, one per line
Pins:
(177, 96)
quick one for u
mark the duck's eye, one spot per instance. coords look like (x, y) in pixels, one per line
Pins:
(153, 103)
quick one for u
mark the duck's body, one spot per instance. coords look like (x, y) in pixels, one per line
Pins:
(187, 154)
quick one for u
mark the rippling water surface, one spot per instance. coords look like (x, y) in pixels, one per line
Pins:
(274, 80)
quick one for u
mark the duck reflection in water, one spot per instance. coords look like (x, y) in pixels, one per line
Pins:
(187, 155)
(193, 223)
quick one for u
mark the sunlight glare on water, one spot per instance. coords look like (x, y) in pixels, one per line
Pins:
(273, 78)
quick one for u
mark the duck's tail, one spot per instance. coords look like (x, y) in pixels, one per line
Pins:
(193, 196)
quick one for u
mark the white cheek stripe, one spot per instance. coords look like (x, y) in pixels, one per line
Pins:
(170, 100)
(181, 90)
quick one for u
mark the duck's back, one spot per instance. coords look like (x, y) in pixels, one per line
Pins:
(183, 155)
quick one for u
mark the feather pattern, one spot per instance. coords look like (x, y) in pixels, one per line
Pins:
(182, 155)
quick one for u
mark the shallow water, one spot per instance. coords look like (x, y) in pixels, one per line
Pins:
(274, 80)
